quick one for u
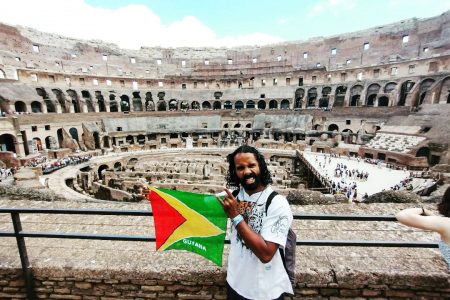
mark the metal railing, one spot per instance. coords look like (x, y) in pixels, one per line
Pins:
(20, 234)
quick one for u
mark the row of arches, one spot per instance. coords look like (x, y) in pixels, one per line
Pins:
(375, 94)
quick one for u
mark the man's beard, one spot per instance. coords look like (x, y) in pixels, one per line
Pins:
(250, 186)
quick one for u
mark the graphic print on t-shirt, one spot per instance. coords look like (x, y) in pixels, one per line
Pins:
(253, 215)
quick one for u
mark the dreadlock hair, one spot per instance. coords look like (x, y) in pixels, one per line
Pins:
(444, 205)
(232, 178)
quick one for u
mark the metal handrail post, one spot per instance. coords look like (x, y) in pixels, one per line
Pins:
(26, 267)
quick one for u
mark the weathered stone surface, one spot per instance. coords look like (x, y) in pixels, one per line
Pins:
(393, 197)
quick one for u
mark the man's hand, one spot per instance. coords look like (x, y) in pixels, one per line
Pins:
(229, 204)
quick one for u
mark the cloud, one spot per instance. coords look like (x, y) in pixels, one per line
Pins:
(336, 7)
(130, 26)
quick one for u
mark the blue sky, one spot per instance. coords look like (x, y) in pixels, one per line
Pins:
(133, 23)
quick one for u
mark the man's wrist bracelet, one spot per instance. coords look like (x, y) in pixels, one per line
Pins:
(236, 220)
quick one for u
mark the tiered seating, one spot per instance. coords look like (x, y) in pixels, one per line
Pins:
(395, 142)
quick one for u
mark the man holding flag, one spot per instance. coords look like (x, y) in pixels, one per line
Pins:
(255, 266)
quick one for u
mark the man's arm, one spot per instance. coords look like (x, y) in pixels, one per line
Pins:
(264, 250)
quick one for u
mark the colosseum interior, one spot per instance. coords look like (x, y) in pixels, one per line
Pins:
(168, 116)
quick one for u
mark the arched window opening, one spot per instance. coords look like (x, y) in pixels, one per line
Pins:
(239, 104)
(312, 96)
(125, 103)
(333, 127)
(7, 142)
(173, 104)
(36, 107)
(284, 104)
(299, 95)
(20, 107)
(261, 104)
(206, 105)
(273, 104)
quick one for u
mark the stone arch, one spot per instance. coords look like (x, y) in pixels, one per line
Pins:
(339, 96)
(113, 106)
(227, 105)
(129, 139)
(299, 95)
(424, 87)
(100, 101)
(117, 166)
(125, 103)
(273, 104)
(7, 142)
(106, 142)
(36, 107)
(149, 104)
(20, 106)
(50, 142)
(423, 152)
(173, 104)
(184, 105)
(61, 98)
(132, 161)
(96, 135)
(74, 133)
(317, 127)
(383, 101)
(217, 105)
(389, 87)
(86, 95)
(333, 127)
(284, 104)
(250, 104)
(355, 95)
(312, 96)
(161, 95)
(2, 74)
(445, 91)
(325, 99)
(405, 88)
(162, 106)
(100, 171)
(206, 105)
(37, 141)
(60, 135)
(239, 104)
(75, 101)
(140, 139)
(48, 102)
(137, 101)
(372, 94)
(261, 104)
(4, 105)
(195, 105)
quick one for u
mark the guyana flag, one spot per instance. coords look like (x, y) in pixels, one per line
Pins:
(189, 221)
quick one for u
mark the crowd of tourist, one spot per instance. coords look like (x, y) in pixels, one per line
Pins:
(60, 163)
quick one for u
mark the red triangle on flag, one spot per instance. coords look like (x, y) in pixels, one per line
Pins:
(165, 217)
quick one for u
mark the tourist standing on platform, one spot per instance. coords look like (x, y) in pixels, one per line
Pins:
(421, 218)
(255, 267)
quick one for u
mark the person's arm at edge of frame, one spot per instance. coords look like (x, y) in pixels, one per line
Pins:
(263, 249)
(421, 218)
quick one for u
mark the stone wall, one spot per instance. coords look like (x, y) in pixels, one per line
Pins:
(73, 284)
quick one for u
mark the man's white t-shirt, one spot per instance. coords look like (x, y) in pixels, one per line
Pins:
(246, 274)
